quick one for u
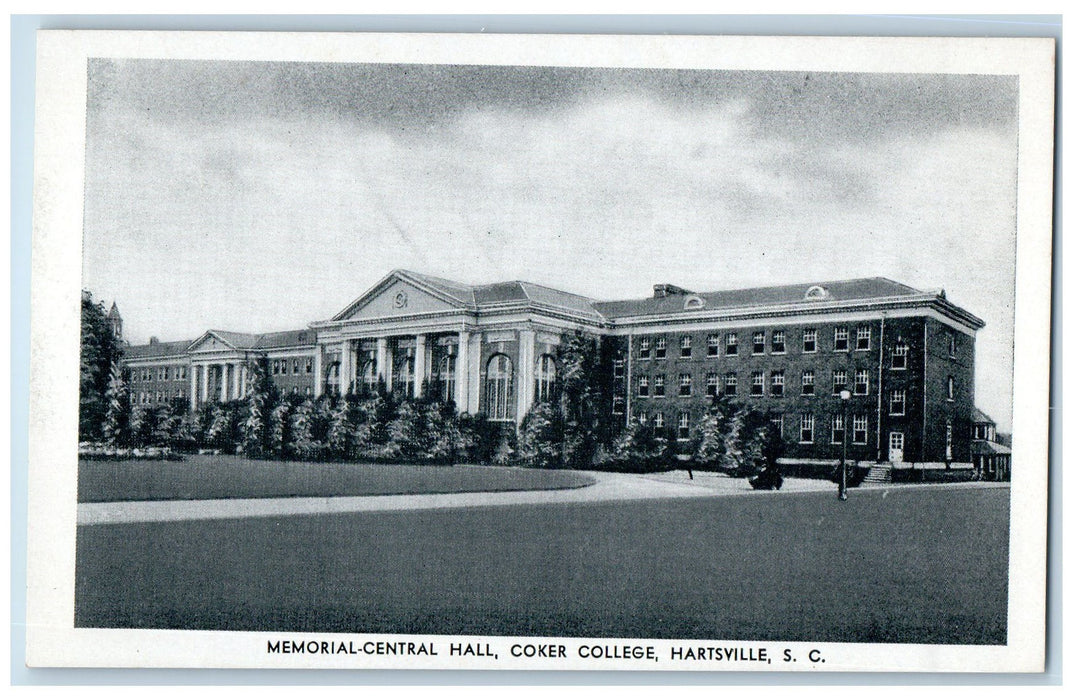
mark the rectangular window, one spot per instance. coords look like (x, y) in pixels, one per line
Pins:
(778, 341)
(897, 402)
(808, 427)
(864, 338)
(730, 384)
(839, 379)
(732, 344)
(778, 382)
(642, 418)
(953, 345)
(808, 382)
(838, 429)
(759, 343)
(164, 374)
(657, 385)
(309, 365)
(860, 382)
(713, 345)
(808, 340)
(757, 388)
(644, 349)
(949, 388)
(687, 346)
(618, 405)
(949, 441)
(685, 384)
(661, 348)
(841, 339)
(776, 423)
(899, 356)
(283, 367)
(275, 366)
(620, 369)
(712, 381)
(642, 386)
(294, 367)
(683, 426)
(657, 420)
(860, 430)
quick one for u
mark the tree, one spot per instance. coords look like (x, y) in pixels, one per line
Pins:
(260, 399)
(302, 445)
(540, 438)
(116, 430)
(584, 399)
(100, 351)
(340, 429)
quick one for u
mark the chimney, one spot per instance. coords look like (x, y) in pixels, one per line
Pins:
(153, 340)
(660, 291)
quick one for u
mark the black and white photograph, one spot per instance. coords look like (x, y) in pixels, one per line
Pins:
(662, 353)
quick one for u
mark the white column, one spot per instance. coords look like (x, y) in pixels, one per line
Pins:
(223, 381)
(462, 373)
(193, 387)
(344, 368)
(243, 379)
(526, 360)
(419, 363)
(318, 372)
(389, 365)
(381, 359)
(235, 387)
(205, 383)
(475, 340)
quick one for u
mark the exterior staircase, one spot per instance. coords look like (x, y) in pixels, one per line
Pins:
(879, 474)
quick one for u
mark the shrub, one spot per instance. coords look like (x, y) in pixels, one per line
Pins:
(540, 439)
(639, 448)
(301, 444)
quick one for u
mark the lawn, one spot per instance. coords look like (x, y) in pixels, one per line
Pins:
(921, 565)
(224, 476)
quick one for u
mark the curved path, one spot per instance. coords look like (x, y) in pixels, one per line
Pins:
(608, 487)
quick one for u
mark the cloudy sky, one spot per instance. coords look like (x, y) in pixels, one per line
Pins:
(263, 196)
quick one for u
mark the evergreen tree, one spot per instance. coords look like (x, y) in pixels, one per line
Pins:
(100, 351)
(165, 426)
(301, 444)
(582, 398)
(340, 430)
(540, 438)
(117, 418)
(256, 437)
(279, 429)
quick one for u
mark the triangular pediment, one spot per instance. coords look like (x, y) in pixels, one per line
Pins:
(399, 295)
(213, 341)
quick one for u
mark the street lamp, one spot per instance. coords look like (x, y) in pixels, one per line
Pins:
(843, 487)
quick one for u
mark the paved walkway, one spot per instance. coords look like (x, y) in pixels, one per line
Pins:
(608, 487)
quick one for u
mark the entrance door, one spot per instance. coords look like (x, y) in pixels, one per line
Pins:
(897, 445)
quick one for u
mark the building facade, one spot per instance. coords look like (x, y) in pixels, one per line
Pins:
(882, 367)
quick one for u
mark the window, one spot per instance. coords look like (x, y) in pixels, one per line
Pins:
(180, 372)
(730, 384)
(953, 345)
(838, 429)
(642, 386)
(294, 366)
(309, 391)
(776, 424)
(275, 366)
(808, 340)
(333, 378)
(808, 427)
(841, 339)
(642, 418)
(685, 384)
(661, 348)
(732, 344)
(404, 376)
(808, 382)
(546, 375)
(758, 343)
(949, 441)
(368, 377)
(897, 402)
(778, 341)
(283, 367)
(839, 379)
(657, 385)
(949, 388)
(899, 356)
(447, 376)
(860, 430)
(499, 387)
(860, 382)
(618, 405)
(163, 374)
(712, 382)
(757, 388)
(778, 382)
(644, 350)
(683, 426)
(713, 345)
(309, 365)
(620, 368)
(687, 346)
(657, 420)
(864, 338)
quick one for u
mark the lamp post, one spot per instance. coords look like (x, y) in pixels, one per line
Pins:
(843, 487)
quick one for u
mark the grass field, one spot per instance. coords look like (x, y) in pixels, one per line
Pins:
(223, 476)
(921, 565)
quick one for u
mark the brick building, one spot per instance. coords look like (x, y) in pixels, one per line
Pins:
(906, 357)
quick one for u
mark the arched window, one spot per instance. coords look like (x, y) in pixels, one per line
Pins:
(368, 377)
(499, 387)
(447, 378)
(545, 378)
(404, 376)
(332, 378)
